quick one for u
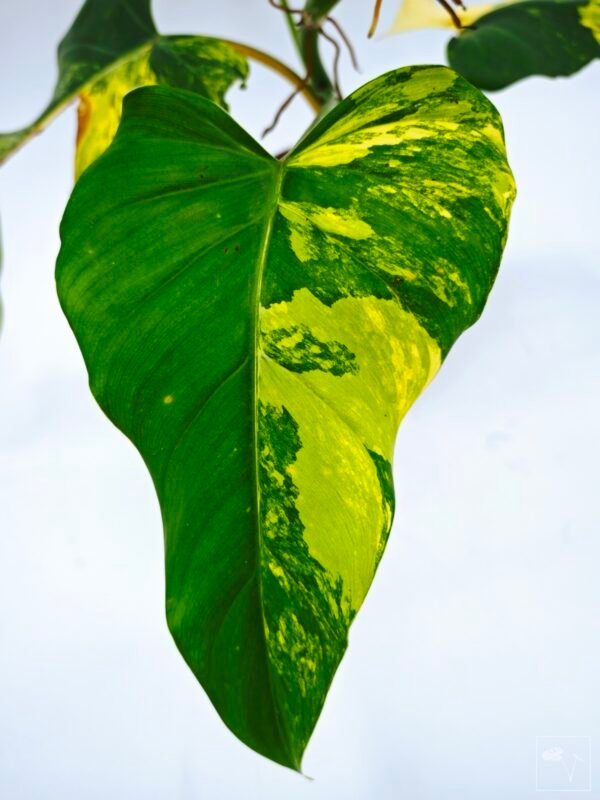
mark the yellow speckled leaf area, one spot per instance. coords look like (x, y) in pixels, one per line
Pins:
(322, 543)
(424, 190)
(341, 417)
(100, 105)
(590, 17)
(204, 65)
(374, 266)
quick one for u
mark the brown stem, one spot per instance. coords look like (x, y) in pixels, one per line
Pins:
(346, 41)
(281, 109)
(375, 20)
(281, 7)
(455, 18)
(336, 62)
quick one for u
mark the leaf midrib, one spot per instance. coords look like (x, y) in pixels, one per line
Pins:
(254, 383)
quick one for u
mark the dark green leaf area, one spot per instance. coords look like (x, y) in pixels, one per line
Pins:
(102, 31)
(541, 37)
(297, 349)
(198, 64)
(317, 275)
(306, 620)
(320, 8)
(187, 263)
(386, 481)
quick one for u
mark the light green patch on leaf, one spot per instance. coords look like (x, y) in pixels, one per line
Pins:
(305, 616)
(341, 419)
(259, 328)
(343, 222)
(590, 17)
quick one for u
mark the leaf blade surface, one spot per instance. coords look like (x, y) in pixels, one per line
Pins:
(538, 37)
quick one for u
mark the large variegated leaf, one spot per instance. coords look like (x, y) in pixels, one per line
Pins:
(114, 47)
(258, 328)
(537, 37)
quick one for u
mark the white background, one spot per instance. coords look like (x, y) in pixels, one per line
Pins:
(482, 628)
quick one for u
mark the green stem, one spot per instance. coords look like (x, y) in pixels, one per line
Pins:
(293, 28)
(320, 82)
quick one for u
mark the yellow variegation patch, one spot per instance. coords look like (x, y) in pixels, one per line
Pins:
(342, 417)
(100, 106)
(416, 14)
(356, 135)
(205, 65)
(590, 17)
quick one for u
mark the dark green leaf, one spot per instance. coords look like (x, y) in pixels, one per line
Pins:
(258, 328)
(320, 8)
(540, 37)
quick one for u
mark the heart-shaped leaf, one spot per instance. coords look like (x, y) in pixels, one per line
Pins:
(114, 47)
(537, 37)
(258, 328)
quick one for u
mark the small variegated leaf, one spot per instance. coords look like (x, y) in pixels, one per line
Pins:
(536, 37)
(113, 47)
(258, 328)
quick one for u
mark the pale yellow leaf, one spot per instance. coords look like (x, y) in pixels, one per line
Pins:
(415, 14)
